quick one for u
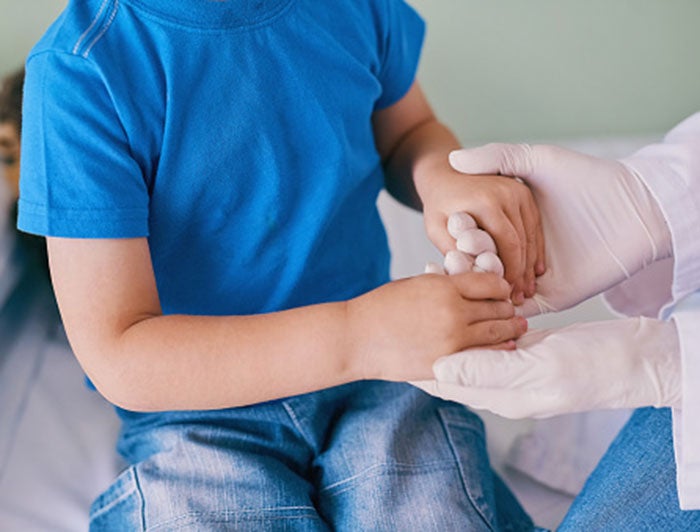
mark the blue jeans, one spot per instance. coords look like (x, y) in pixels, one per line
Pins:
(363, 456)
(634, 486)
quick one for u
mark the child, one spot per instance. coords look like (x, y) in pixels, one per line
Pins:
(207, 175)
(10, 127)
(27, 250)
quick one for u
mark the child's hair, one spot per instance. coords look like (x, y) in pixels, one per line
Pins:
(11, 88)
(11, 99)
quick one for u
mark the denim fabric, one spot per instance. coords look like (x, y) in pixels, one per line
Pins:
(634, 486)
(364, 456)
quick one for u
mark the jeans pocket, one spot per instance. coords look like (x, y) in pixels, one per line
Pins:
(120, 507)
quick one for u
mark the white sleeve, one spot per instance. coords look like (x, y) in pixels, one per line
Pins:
(686, 420)
(671, 170)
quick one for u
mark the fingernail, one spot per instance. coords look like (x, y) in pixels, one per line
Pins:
(524, 323)
(540, 269)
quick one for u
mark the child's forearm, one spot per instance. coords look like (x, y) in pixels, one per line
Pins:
(196, 362)
(142, 360)
(422, 153)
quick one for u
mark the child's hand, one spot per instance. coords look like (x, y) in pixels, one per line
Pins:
(501, 206)
(397, 331)
(602, 223)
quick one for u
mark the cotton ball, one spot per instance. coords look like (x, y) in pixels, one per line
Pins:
(434, 267)
(488, 262)
(475, 241)
(458, 223)
(458, 262)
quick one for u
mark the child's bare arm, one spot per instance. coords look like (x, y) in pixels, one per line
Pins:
(143, 360)
(415, 147)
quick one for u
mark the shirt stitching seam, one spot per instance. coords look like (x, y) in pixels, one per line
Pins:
(76, 48)
(104, 29)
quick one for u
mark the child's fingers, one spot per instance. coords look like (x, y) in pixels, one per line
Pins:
(508, 244)
(486, 310)
(541, 263)
(532, 244)
(510, 345)
(515, 215)
(436, 229)
(473, 285)
(491, 332)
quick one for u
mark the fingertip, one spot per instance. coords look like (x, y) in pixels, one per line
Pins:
(521, 324)
(506, 287)
(455, 157)
(517, 297)
(540, 268)
(503, 286)
(434, 268)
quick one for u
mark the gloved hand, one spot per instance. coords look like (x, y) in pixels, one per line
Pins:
(601, 225)
(625, 363)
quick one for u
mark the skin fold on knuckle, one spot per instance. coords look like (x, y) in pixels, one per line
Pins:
(497, 331)
(505, 310)
(485, 285)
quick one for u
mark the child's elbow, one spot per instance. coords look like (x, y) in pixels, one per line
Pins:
(121, 387)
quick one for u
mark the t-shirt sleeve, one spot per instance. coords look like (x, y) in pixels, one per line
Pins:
(404, 31)
(78, 178)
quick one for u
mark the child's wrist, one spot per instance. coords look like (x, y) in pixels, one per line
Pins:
(428, 172)
(358, 352)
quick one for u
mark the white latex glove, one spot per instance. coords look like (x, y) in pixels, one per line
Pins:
(625, 363)
(601, 225)
(476, 250)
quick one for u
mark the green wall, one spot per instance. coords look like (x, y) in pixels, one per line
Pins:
(551, 69)
(22, 22)
(521, 69)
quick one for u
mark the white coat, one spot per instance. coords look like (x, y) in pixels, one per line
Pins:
(670, 289)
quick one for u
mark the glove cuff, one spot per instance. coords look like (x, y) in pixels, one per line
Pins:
(650, 215)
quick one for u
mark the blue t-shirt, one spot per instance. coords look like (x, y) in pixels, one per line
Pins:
(235, 135)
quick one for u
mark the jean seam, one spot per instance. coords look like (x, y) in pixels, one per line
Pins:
(455, 455)
(142, 500)
(134, 490)
(297, 424)
(235, 515)
(385, 467)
